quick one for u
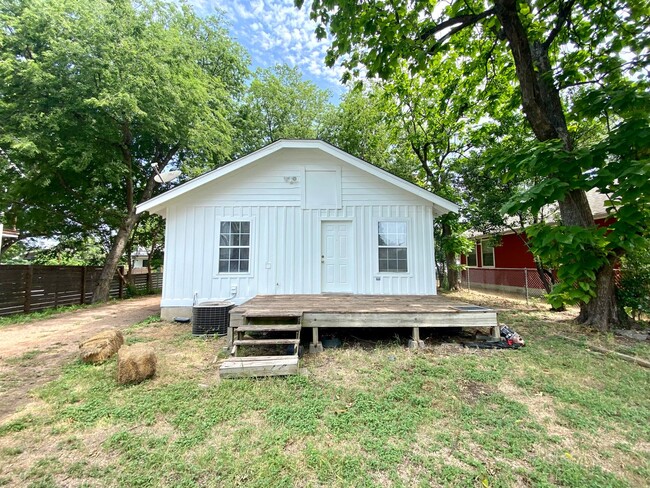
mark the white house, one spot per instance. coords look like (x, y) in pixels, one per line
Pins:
(296, 217)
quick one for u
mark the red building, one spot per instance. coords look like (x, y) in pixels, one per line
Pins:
(510, 266)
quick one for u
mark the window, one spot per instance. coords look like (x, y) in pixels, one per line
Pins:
(392, 247)
(145, 263)
(471, 258)
(234, 247)
(487, 254)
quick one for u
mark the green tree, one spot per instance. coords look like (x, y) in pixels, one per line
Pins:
(358, 125)
(553, 45)
(95, 93)
(148, 236)
(279, 104)
(485, 193)
(88, 251)
(433, 116)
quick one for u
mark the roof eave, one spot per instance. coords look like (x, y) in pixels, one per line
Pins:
(158, 203)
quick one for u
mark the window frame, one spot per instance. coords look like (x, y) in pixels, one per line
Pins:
(485, 242)
(475, 265)
(406, 246)
(219, 247)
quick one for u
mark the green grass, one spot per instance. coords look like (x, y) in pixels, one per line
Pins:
(551, 414)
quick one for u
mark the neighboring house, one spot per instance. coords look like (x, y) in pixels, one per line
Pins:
(296, 217)
(510, 265)
(140, 258)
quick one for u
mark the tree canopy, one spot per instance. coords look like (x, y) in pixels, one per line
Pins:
(94, 93)
(279, 104)
(552, 50)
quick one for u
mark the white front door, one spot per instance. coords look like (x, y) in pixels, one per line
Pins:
(336, 257)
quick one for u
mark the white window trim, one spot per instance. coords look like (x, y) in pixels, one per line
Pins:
(339, 187)
(409, 248)
(251, 247)
(494, 261)
(476, 252)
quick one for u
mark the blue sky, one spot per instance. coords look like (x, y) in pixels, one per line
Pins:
(273, 32)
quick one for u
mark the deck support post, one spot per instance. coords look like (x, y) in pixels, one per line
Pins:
(415, 342)
(229, 337)
(315, 346)
(496, 333)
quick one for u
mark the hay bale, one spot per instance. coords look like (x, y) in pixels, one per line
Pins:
(135, 363)
(101, 346)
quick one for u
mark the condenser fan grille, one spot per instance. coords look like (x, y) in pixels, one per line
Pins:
(211, 318)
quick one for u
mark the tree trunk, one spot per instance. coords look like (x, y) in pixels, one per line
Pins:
(453, 276)
(442, 274)
(543, 108)
(603, 310)
(101, 292)
(130, 259)
(541, 272)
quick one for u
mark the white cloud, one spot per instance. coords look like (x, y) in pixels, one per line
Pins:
(275, 31)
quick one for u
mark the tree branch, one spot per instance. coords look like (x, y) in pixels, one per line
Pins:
(461, 22)
(563, 15)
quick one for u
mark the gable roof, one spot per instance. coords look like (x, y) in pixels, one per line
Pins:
(161, 201)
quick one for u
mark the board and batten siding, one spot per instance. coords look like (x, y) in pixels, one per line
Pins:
(286, 237)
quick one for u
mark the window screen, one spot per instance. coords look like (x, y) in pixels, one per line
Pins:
(471, 258)
(392, 247)
(487, 254)
(234, 247)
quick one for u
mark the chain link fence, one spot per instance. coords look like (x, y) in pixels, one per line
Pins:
(513, 281)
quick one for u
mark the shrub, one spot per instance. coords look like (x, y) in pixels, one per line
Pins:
(634, 283)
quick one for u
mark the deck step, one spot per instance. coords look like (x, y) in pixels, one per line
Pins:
(269, 328)
(261, 358)
(255, 366)
(265, 342)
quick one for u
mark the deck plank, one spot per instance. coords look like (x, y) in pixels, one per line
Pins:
(296, 305)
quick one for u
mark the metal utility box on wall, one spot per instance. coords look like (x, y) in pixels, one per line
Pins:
(211, 318)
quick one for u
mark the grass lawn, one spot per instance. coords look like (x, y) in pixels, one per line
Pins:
(551, 414)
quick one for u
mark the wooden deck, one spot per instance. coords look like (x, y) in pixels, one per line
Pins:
(355, 310)
(266, 305)
(282, 314)
(341, 310)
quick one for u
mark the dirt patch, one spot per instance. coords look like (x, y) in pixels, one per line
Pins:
(354, 366)
(542, 410)
(473, 391)
(182, 363)
(32, 354)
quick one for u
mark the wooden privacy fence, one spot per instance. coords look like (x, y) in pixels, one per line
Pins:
(29, 288)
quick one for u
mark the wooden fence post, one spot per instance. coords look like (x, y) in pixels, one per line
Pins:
(120, 271)
(82, 300)
(29, 276)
